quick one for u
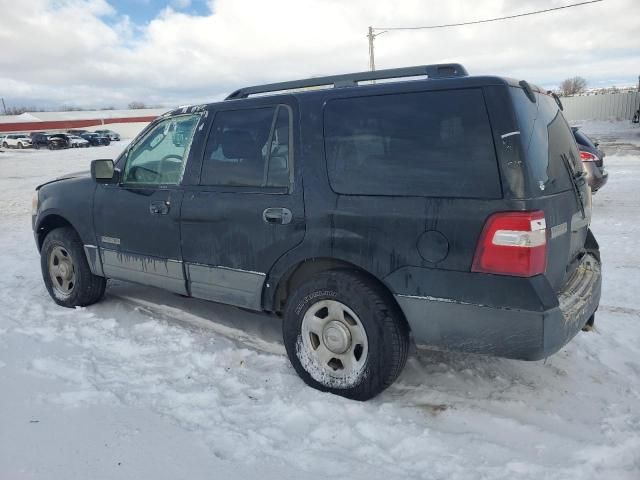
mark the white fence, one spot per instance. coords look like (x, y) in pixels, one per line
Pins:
(608, 106)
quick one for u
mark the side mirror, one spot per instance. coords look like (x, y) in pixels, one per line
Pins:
(104, 171)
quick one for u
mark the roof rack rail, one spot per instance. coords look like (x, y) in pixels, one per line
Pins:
(441, 70)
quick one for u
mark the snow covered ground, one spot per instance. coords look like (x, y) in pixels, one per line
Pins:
(148, 385)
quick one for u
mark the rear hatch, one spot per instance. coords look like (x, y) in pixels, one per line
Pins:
(555, 179)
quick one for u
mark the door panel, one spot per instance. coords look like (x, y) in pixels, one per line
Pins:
(138, 232)
(227, 245)
(248, 210)
(137, 222)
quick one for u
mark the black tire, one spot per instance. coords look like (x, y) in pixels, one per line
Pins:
(5, 145)
(19, 145)
(386, 330)
(88, 288)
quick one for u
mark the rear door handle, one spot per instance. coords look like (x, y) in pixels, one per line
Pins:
(159, 208)
(281, 216)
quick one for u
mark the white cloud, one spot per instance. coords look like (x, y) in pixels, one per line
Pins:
(86, 53)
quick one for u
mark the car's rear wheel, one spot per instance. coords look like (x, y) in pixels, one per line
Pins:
(344, 334)
(5, 145)
(66, 272)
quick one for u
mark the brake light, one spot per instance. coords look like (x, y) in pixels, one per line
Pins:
(587, 157)
(512, 243)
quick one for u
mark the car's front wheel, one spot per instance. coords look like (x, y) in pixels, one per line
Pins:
(344, 334)
(66, 272)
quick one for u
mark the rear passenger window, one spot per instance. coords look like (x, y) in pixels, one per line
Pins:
(249, 148)
(435, 144)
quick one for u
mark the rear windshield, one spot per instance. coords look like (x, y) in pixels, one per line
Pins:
(546, 138)
(435, 144)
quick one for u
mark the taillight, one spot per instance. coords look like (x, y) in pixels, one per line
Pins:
(512, 243)
(587, 156)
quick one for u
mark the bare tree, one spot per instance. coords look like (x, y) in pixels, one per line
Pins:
(19, 110)
(71, 108)
(573, 86)
(137, 105)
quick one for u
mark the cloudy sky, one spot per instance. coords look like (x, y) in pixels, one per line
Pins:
(95, 53)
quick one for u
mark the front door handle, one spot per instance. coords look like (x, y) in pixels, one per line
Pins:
(277, 215)
(159, 208)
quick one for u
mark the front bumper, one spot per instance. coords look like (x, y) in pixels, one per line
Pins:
(524, 334)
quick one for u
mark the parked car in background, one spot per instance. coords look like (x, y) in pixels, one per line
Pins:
(592, 160)
(40, 139)
(95, 139)
(77, 142)
(77, 132)
(110, 134)
(16, 140)
(58, 141)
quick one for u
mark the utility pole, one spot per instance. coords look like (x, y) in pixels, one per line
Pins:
(372, 60)
(372, 36)
(4, 107)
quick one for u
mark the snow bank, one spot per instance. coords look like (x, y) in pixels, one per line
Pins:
(151, 385)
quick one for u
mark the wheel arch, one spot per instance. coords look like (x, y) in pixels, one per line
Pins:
(302, 270)
(51, 222)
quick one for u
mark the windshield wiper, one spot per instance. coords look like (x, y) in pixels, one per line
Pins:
(575, 176)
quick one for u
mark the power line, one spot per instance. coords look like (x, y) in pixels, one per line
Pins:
(372, 35)
(488, 19)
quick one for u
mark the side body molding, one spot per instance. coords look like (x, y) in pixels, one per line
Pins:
(237, 287)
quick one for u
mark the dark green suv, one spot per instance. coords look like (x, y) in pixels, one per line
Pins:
(451, 211)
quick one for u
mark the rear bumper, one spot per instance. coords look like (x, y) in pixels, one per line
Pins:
(506, 332)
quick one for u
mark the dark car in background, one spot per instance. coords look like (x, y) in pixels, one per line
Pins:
(40, 140)
(110, 134)
(592, 160)
(58, 141)
(95, 139)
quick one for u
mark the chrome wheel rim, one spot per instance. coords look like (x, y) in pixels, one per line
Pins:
(61, 271)
(334, 345)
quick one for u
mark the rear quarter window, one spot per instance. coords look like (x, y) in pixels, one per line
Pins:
(546, 137)
(434, 144)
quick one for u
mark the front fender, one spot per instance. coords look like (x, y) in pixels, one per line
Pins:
(70, 200)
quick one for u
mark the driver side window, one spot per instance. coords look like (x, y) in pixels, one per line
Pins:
(159, 157)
